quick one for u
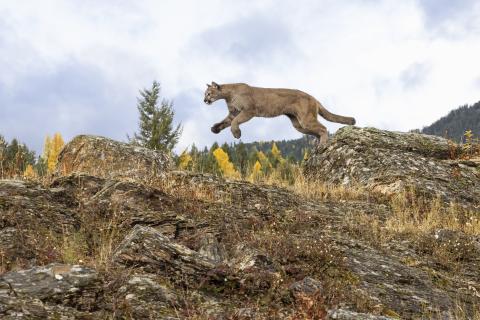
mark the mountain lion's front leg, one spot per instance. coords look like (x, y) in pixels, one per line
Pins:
(225, 123)
(242, 117)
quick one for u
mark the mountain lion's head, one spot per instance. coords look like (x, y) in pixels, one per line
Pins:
(213, 93)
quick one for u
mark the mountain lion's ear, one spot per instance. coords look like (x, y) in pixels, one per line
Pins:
(215, 85)
(208, 85)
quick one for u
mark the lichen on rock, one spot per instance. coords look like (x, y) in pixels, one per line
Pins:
(106, 158)
(391, 162)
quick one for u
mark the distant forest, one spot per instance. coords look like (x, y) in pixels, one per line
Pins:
(456, 122)
(293, 149)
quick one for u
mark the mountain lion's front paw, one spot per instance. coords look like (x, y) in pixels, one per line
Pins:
(215, 129)
(236, 133)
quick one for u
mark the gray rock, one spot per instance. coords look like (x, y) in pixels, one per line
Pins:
(210, 248)
(390, 162)
(307, 286)
(245, 258)
(106, 158)
(52, 289)
(145, 297)
(145, 246)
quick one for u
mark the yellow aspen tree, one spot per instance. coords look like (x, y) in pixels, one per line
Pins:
(184, 160)
(56, 145)
(266, 165)
(46, 147)
(276, 152)
(29, 173)
(224, 163)
(261, 156)
(277, 159)
(256, 171)
(468, 146)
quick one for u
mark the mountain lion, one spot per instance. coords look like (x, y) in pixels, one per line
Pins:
(245, 102)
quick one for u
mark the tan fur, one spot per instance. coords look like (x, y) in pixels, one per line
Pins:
(245, 102)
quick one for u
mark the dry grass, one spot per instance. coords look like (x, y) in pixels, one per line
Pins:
(73, 248)
(316, 190)
(182, 187)
(412, 214)
(443, 232)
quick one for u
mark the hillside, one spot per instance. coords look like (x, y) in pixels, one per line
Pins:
(454, 124)
(116, 234)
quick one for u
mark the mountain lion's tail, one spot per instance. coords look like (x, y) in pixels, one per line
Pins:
(334, 117)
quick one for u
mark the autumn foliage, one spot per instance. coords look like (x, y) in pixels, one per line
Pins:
(227, 168)
(51, 150)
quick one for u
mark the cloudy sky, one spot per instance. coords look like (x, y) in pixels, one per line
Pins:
(76, 66)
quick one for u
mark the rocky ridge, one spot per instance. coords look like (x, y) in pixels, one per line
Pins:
(391, 162)
(181, 245)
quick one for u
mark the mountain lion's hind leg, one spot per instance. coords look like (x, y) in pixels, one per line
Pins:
(317, 129)
(297, 124)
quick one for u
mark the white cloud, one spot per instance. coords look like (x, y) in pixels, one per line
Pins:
(394, 65)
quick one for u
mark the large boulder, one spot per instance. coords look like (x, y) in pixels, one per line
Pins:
(106, 158)
(390, 162)
(64, 291)
(147, 247)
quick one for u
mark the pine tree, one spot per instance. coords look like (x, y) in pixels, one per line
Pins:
(156, 121)
(11, 157)
(241, 158)
(211, 162)
(41, 166)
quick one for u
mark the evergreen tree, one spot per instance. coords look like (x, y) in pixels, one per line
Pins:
(41, 167)
(456, 123)
(12, 155)
(14, 158)
(241, 158)
(211, 163)
(156, 121)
